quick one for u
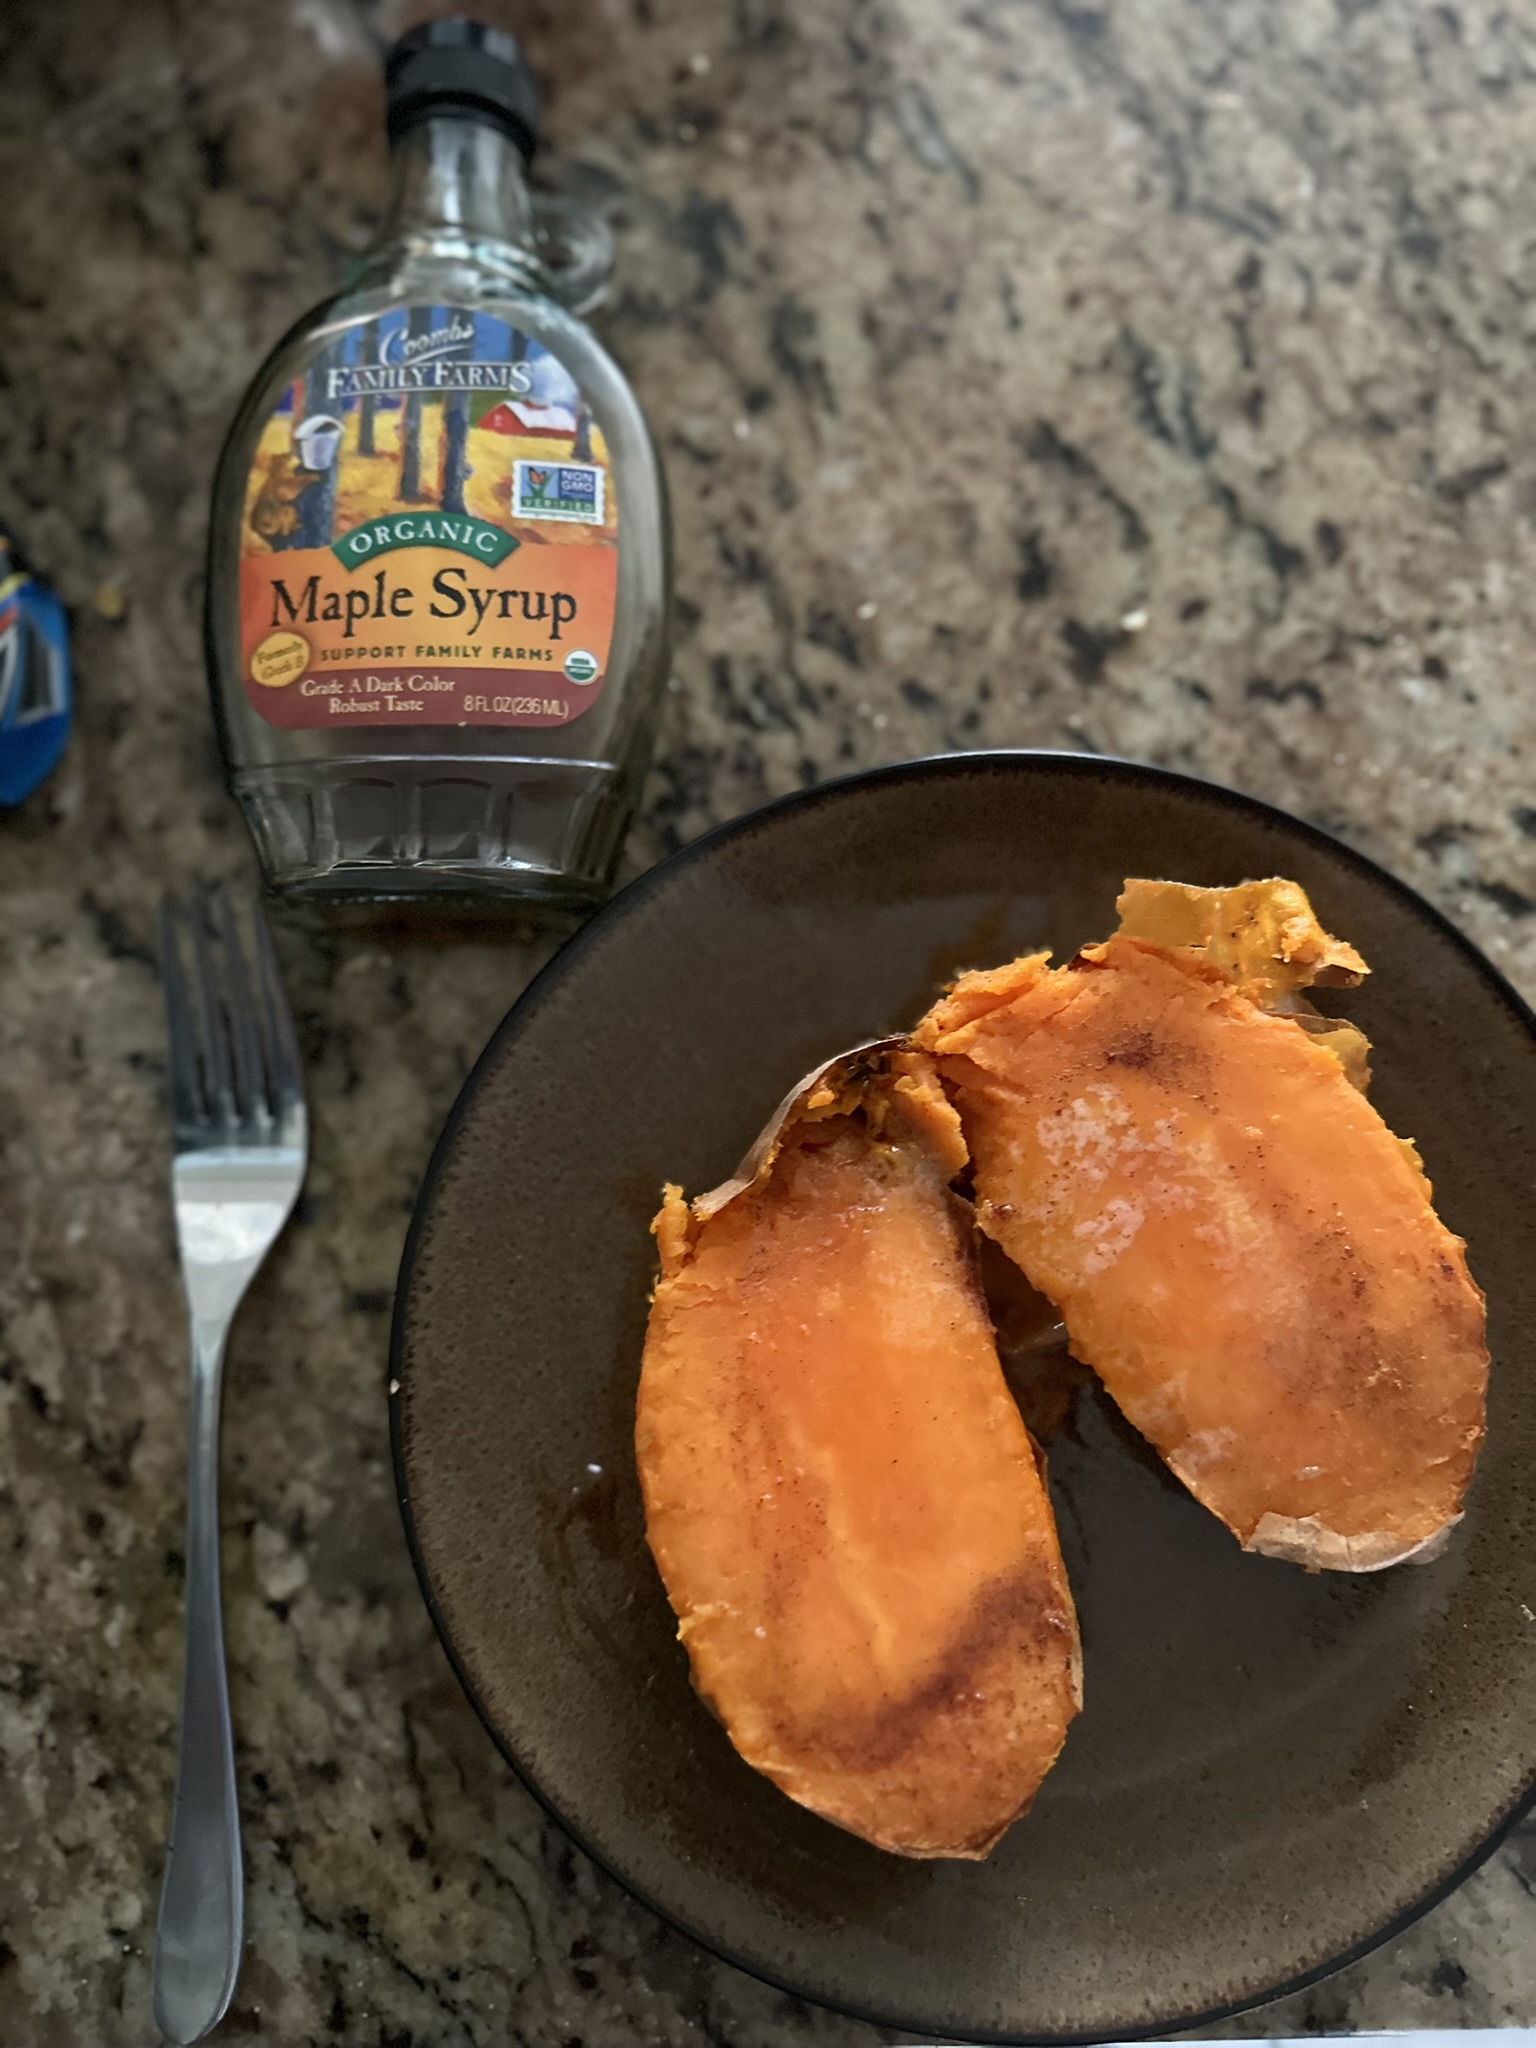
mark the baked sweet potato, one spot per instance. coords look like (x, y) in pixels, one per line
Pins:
(845, 1507)
(1180, 1154)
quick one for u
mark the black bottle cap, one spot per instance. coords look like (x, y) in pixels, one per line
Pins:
(464, 67)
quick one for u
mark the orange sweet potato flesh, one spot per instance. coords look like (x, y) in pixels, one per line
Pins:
(1239, 1246)
(844, 1504)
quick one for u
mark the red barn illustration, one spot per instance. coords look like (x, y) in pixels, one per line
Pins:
(518, 416)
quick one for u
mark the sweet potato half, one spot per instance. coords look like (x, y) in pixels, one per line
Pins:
(1179, 1153)
(844, 1504)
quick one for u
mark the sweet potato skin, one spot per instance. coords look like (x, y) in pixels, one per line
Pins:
(1240, 1248)
(844, 1505)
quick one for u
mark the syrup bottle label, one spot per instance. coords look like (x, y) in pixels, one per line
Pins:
(430, 533)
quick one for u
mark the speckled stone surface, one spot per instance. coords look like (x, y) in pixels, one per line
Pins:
(1148, 378)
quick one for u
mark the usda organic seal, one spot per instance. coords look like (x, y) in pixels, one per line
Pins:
(581, 667)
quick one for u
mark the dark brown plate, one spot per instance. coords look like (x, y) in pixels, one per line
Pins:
(1273, 1770)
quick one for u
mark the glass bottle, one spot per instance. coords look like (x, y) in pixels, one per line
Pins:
(438, 564)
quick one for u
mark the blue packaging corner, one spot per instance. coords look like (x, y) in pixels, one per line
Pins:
(36, 691)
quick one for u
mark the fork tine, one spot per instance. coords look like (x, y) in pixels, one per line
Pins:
(187, 1106)
(221, 1081)
(251, 1102)
(286, 1069)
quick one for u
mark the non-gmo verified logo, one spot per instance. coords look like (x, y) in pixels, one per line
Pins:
(558, 490)
(581, 667)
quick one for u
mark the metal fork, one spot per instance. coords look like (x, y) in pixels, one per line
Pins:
(237, 1095)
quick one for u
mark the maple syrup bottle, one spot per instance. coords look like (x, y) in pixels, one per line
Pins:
(438, 565)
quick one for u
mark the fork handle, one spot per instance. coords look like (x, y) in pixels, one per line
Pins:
(202, 1906)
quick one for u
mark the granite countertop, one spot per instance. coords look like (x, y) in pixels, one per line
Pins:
(1145, 378)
